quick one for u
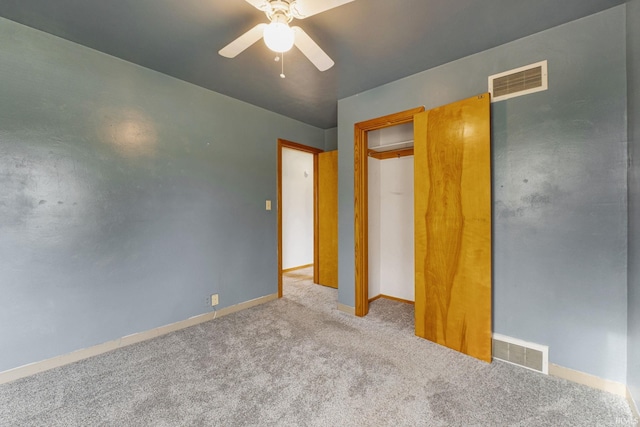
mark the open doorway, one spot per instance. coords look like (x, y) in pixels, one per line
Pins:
(307, 215)
(297, 210)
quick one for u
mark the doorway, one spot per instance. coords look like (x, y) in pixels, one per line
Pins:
(304, 158)
(308, 216)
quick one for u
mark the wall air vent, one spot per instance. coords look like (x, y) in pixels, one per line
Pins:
(521, 81)
(528, 355)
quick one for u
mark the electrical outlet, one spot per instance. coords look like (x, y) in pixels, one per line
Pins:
(214, 300)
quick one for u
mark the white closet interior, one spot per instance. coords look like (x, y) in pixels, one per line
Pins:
(390, 222)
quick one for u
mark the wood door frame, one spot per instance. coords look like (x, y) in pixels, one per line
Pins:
(283, 143)
(361, 200)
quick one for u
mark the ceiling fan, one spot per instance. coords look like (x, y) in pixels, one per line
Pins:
(279, 36)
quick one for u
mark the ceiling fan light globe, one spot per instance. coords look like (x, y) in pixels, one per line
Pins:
(279, 37)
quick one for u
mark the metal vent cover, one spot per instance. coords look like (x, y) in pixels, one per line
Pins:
(520, 81)
(522, 353)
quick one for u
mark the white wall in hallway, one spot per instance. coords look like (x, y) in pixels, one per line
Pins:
(297, 208)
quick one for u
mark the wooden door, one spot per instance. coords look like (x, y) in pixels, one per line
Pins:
(453, 226)
(328, 219)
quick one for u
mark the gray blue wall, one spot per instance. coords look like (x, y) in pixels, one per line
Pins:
(331, 139)
(126, 197)
(633, 114)
(559, 187)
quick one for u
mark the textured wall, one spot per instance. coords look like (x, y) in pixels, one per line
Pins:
(559, 187)
(633, 73)
(126, 197)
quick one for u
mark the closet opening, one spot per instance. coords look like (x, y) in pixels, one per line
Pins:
(451, 225)
(390, 208)
(376, 141)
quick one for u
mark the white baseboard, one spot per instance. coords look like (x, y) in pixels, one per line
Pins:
(588, 380)
(632, 405)
(346, 309)
(76, 356)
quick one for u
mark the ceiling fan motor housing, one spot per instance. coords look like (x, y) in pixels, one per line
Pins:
(279, 10)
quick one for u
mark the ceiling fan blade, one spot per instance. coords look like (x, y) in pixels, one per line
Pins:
(243, 42)
(311, 50)
(259, 4)
(305, 8)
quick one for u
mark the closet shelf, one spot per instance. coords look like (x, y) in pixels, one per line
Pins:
(393, 146)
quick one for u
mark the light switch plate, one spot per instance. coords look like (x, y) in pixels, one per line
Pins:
(268, 205)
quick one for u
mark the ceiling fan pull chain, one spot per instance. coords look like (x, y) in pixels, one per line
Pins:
(282, 76)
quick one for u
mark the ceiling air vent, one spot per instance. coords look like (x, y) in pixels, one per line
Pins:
(521, 81)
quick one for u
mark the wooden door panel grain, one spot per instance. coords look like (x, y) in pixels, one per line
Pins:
(328, 218)
(453, 226)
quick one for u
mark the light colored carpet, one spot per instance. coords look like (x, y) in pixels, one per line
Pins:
(299, 362)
